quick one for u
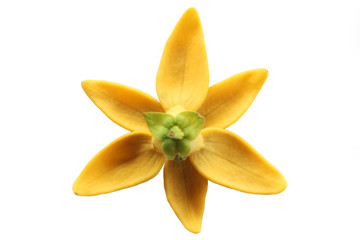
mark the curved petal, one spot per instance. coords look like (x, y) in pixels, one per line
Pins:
(126, 162)
(228, 160)
(228, 100)
(183, 75)
(123, 105)
(185, 190)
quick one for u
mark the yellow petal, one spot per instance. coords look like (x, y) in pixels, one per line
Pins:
(185, 190)
(127, 161)
(228, 160)
(228, 100)
(183, 75)
(123, 105)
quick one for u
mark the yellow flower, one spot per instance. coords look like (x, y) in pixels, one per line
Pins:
(215, 154)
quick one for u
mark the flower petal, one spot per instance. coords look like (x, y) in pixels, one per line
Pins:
(126, 162)
(185, 190)
(183, 75)
(228, 160)
(228, 100)
(123, 105)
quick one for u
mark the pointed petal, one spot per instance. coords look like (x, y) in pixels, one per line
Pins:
(228, 160)
(228, 100)
(183, 75)
(126, 162)
(185, 190)
(123, 105)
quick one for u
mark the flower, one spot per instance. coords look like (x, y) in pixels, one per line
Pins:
(185, 130)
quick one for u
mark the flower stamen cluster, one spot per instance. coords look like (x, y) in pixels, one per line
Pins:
(175, 133)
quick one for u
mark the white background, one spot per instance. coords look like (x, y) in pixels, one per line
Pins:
(305, 120)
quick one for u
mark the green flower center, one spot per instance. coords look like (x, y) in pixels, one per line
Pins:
(175, 134)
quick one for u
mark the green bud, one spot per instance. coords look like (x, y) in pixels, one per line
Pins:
(184, 148)
(177, 150)
(175, 133)
(159, 124)
(169, 148)
(191, 124)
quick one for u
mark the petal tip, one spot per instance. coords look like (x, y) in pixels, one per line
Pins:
(77, 189)
(283, 185)
(265, 71)
(86, 83)
(80, 189)
(279, 187)
(191, 15)
(192, 229)
(191, 10)
(83, 83)
(262, 72)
